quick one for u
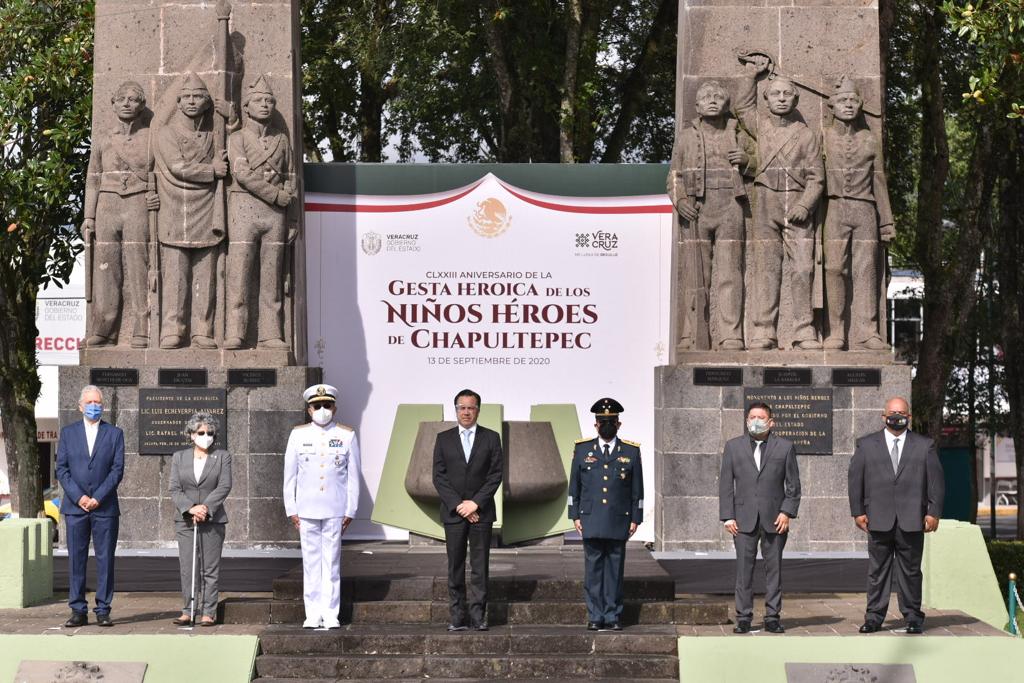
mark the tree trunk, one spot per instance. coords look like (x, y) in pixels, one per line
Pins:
(372, 99)
(19, 389)
(1010, 243)
(634, 88)
(567, 120)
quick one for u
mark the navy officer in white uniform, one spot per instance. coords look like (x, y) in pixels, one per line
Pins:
(321, 496)
(606, 504)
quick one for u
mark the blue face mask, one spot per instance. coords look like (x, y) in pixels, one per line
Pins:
(93, 411)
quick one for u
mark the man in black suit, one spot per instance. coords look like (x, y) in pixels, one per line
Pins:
(90, 465)
(896, 493)
(467, 474)
(758, 493)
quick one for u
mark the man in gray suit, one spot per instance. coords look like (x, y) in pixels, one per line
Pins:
(758, 493)
(896, 493)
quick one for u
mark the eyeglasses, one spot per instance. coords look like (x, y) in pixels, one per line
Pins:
(204, 433)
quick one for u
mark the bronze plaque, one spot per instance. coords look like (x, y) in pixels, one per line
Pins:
(792, 377)
(181, 377)
(857, 377)
(164, 412)
(718, 377)
(802, 415)
(114, 377)
(252, 377)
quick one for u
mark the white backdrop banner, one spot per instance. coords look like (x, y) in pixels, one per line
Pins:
(523, 297)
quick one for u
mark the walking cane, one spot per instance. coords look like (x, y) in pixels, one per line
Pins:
(195, 538)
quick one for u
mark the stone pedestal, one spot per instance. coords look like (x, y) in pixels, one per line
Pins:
(259, 421)
(692, 424)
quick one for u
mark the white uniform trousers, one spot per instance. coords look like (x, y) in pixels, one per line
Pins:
(321, 567)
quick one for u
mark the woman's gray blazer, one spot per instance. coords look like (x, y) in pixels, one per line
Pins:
(211, 490)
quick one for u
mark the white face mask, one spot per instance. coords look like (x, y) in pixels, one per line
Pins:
(323, 416)
(757, 426)
(204, 441)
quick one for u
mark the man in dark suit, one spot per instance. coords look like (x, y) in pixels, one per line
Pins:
(606, 503)
(467, 473)
(90, 464)
(758, 493)
(896, 494)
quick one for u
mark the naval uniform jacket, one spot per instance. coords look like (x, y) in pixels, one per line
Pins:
(321, 472)
(606, 494)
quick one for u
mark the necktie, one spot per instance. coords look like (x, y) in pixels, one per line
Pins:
(757, 454)
(894, 455)
(466, 446)
(606, 447)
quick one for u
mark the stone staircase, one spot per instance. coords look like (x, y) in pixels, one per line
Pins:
(394, 618)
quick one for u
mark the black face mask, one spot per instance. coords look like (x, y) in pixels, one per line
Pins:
(607, 430)
(897, 423)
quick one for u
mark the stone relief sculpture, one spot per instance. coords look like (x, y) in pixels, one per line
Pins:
(261, 220)
(789, 183)
(118, 200)
(705, 185)
(190, 226)
(859, 219)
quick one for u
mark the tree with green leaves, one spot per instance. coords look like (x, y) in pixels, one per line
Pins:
(490, 80)
(45, 110)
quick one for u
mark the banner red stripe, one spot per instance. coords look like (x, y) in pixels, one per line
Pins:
(386, 208)
(569, 208)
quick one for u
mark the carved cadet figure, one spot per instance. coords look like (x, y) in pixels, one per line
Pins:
(706, 187)
(190, 224)
(116, 223)
(259, 197)
(789, 182)
(859, 216)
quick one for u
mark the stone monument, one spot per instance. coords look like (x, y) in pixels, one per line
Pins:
(809, 338)
(195, 268)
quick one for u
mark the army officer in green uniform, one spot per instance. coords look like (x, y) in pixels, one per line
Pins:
(606, 502)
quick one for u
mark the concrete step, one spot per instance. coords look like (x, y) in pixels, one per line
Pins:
(500, 640)
(382, 667)
(511, 589)
(690, 610)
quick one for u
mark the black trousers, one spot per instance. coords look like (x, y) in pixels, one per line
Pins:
(906, 547)
(604, 567)
(746, 554)
(478, 537)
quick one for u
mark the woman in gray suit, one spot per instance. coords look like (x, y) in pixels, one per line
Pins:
(200, 482)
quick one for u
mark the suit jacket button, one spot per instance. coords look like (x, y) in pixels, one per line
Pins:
(604, 489)
(606, 466)
(606, 477)
(604, 501)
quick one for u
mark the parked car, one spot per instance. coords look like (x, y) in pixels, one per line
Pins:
(51, 506)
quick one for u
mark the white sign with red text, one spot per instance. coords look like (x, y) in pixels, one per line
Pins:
(525, 298)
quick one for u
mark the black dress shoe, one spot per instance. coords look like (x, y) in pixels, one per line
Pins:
(914, 629)
(741, 627)
(593, 625)
(482, 626)
(457, 627)
(774, 627)
(104, 620)
(615, 626)
(868, 627)
(77, 619)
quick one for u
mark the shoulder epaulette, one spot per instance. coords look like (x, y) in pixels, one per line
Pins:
(300, 426)
(630, 443)
(351, 429)
(584, 440)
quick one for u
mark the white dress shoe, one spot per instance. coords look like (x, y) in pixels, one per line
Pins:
(311, 623)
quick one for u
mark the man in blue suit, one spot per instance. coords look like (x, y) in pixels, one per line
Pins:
(90, 464)
(606, 503)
